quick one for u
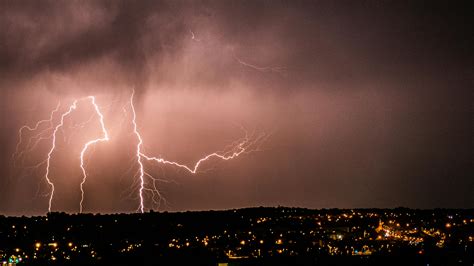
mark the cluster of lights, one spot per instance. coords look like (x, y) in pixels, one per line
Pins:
(346, 240)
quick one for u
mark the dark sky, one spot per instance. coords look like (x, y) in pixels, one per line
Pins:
(368, 103)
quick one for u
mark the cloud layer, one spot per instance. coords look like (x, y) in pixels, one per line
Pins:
(369, 102)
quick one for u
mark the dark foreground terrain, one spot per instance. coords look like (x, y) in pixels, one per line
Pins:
(254, 236)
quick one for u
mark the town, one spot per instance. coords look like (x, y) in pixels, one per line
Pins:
(262, 236)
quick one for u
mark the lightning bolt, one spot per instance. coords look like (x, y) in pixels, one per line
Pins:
(274, 69)
(138, 152)
(88, 144)
(38, 136)
(193, 169)
(235, 151)
(282, 71)
(72, 107)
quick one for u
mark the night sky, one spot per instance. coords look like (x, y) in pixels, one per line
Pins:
(366, 103)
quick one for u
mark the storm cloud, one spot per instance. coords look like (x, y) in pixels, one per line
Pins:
(369, 103)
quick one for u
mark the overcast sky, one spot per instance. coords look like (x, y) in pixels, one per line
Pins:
(367, 103)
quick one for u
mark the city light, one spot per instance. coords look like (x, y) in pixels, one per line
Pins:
(291, 234)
